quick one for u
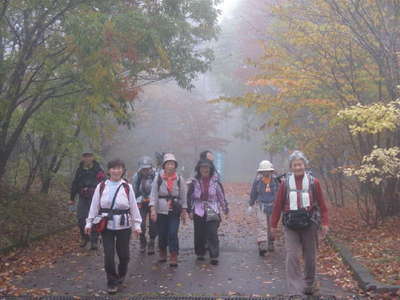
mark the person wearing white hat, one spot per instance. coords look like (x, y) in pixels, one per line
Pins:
(264, 189)
(168, 205)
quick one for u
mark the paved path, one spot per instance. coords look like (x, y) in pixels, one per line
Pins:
(241, 270)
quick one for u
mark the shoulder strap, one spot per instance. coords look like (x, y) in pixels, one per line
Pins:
(102, 186)
(126, 188)
(312, 190)
(159, 181)
(115, 196)
(221, 186)
(190, 188)
(138, 181)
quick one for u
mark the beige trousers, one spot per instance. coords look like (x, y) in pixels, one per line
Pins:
(263, 226)
(300, 243)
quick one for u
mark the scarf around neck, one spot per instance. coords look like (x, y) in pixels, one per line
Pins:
(304, 192)
(170, 181)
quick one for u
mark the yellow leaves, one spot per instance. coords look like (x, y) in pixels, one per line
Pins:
(380, 164)
(372, 119)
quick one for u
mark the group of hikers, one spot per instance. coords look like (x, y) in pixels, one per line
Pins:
(158, 199)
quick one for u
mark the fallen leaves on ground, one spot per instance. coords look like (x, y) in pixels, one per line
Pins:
(378, 248)
(39, 254)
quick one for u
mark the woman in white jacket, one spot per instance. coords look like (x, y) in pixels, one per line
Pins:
(123, 216)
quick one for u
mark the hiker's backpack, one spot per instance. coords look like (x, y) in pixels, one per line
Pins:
(124, 184)
(139, 180)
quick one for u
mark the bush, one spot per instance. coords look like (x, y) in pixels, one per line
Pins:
(24, 216)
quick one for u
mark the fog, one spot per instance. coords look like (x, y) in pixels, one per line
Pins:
(170, 119)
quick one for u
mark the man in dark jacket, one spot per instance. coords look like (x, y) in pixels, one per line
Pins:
(87, 176)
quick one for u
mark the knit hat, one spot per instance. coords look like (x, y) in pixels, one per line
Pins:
(169, 157)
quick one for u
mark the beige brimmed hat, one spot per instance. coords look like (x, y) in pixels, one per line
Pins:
(169, 157)
(265, 165)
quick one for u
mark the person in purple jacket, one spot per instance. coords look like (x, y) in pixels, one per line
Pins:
(206, 202)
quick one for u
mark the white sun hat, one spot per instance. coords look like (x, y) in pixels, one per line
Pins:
(265, 165)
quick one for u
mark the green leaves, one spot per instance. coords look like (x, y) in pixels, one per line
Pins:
(90, 58)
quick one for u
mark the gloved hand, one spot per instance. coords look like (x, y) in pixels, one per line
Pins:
(249, 210)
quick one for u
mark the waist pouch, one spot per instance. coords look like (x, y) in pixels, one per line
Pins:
(112, 212)
(211, 215)
(297, 219)
(175, 208)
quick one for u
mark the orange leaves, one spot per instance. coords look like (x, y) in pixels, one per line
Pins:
(40, 254)
(376, 248)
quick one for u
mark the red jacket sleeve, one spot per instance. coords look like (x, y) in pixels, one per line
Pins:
(321, 203)
(278, 205)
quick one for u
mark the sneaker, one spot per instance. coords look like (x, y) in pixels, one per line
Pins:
(112, 289)
(214, 261)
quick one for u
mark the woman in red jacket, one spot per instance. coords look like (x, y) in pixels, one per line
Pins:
(301, 202)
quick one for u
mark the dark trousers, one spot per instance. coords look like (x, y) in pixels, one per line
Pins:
(93, 237)
(116, 240)
(145, 214)
(168, 226)
(82, 213)
(205, 232)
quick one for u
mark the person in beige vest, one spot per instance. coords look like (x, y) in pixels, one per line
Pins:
(168, 207)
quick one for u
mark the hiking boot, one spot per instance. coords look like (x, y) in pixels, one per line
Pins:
(214, 261)
(84, 242)
(120, 280)
(310, 290)
(93, 244)
(173, 259)
(112, 289)
(163, 256)
(262, 248)
(271, 247)
(142, 245)
(150, 248)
